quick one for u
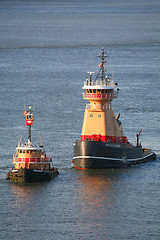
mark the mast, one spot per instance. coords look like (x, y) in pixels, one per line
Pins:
(102, 64)
(29, 134)
(29, 121)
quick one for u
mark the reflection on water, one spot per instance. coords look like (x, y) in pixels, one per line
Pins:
(23, 209)
(23, 195)
(97, 198)
(92, 187)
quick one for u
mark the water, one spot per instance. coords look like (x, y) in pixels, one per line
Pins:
(46, 48)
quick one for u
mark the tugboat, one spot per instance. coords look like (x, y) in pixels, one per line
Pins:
(102, 143)
(30, 162)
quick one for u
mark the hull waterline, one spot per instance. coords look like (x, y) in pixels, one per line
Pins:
(99, 155)
(29, 175)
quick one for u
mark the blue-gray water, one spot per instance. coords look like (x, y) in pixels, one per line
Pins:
(46, 48)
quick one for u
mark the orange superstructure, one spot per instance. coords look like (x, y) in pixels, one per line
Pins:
(99, 122)
(31, 157)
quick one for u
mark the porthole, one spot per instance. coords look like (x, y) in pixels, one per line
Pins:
(91, 115)
(99, 115)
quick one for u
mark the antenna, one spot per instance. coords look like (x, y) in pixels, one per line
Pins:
(42, 141)
(90, 73)
(19, 141)
(90, 64)
(102, 64)
(138, 135)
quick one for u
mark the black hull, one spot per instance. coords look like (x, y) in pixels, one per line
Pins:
(30, 176)
(97, 155)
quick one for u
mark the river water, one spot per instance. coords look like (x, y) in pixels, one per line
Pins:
(46, 48)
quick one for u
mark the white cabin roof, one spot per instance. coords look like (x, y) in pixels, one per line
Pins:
(29, 148)
(99, 84)
(97, 87)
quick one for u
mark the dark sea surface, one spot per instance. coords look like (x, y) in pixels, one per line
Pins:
(46, 48)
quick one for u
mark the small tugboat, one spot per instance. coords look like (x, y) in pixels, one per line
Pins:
(102, 143)
(30, 162)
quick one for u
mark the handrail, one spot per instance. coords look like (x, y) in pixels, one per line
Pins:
(107, 82)
(100, 95)
(32, 160)
(97, 106)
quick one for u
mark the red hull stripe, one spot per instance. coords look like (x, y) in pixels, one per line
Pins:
(81, 168)
(97, 137)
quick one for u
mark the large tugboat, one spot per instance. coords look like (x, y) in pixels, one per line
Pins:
(102, 143)
(30, 162)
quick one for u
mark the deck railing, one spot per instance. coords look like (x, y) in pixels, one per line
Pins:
(100, 95)
(106, 82)
(98, 106)
(32, 160)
